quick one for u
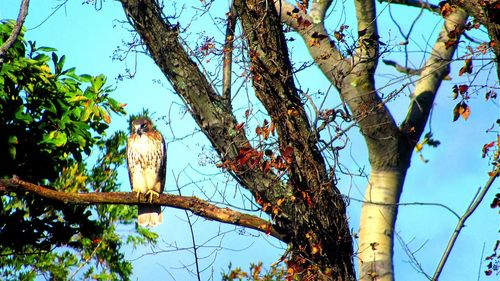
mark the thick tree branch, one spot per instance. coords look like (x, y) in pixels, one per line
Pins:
(23, 12)
(435, 70)
(197, 206)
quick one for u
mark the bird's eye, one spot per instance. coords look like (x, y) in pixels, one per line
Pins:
(143, 126)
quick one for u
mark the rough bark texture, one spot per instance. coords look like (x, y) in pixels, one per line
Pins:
(312, 215)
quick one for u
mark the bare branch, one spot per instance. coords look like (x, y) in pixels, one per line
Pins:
(407, 70)
(197, 206)
(414, 3)
(461, 223)
(23, 12)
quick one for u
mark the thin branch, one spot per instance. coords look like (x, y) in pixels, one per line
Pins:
(197, 206)
(407, 204)
(193, 239)
(23, 12)
(470, 210)
(414, 3)
(407, 70)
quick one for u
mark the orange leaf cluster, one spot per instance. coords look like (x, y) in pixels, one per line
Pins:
(250, 158)
(265, 130)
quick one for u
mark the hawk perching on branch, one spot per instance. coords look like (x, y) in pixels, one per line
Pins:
(146, 161)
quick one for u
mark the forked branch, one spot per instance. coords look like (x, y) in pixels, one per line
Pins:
(197, 206)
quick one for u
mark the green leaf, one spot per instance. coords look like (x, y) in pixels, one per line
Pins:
(46, 49)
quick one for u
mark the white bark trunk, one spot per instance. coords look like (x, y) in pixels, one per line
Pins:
(378, 216)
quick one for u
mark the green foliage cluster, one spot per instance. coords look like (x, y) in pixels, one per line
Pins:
(256, 273)
(52, 120)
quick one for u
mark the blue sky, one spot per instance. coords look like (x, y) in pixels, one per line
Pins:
(451, 177)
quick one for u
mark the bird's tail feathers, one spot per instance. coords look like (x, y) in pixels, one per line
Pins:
(149, 215)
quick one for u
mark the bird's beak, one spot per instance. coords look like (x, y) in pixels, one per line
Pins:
(137, 129)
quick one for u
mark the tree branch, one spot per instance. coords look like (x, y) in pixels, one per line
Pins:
(23, 12)
(197, 206)
(435, 70)
(461, 223)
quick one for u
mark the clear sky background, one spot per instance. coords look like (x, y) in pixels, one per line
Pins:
(452, 176)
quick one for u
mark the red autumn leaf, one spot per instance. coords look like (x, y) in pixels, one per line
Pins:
(307, 198)
(495, 203)
(287, 154)
(258, 131)
(319, 36)
(339, 36)
(463, 89)
(239, 126)
(487, 147)
(271, 128)
(266, 167)
(467, 68)
(491, 94)
(306, 23)
(265, 133)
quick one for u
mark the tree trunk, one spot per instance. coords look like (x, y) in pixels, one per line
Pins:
(378, 216)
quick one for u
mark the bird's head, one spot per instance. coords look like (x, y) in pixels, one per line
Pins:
(141, 126)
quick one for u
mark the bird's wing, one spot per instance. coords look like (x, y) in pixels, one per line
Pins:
(163, 165)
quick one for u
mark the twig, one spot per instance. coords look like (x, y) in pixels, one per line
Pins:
(197, 206)
(414, 3)
(470, 210)
(23, 12)
(193, 240)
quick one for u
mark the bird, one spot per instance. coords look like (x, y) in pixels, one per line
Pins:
(146, 162)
